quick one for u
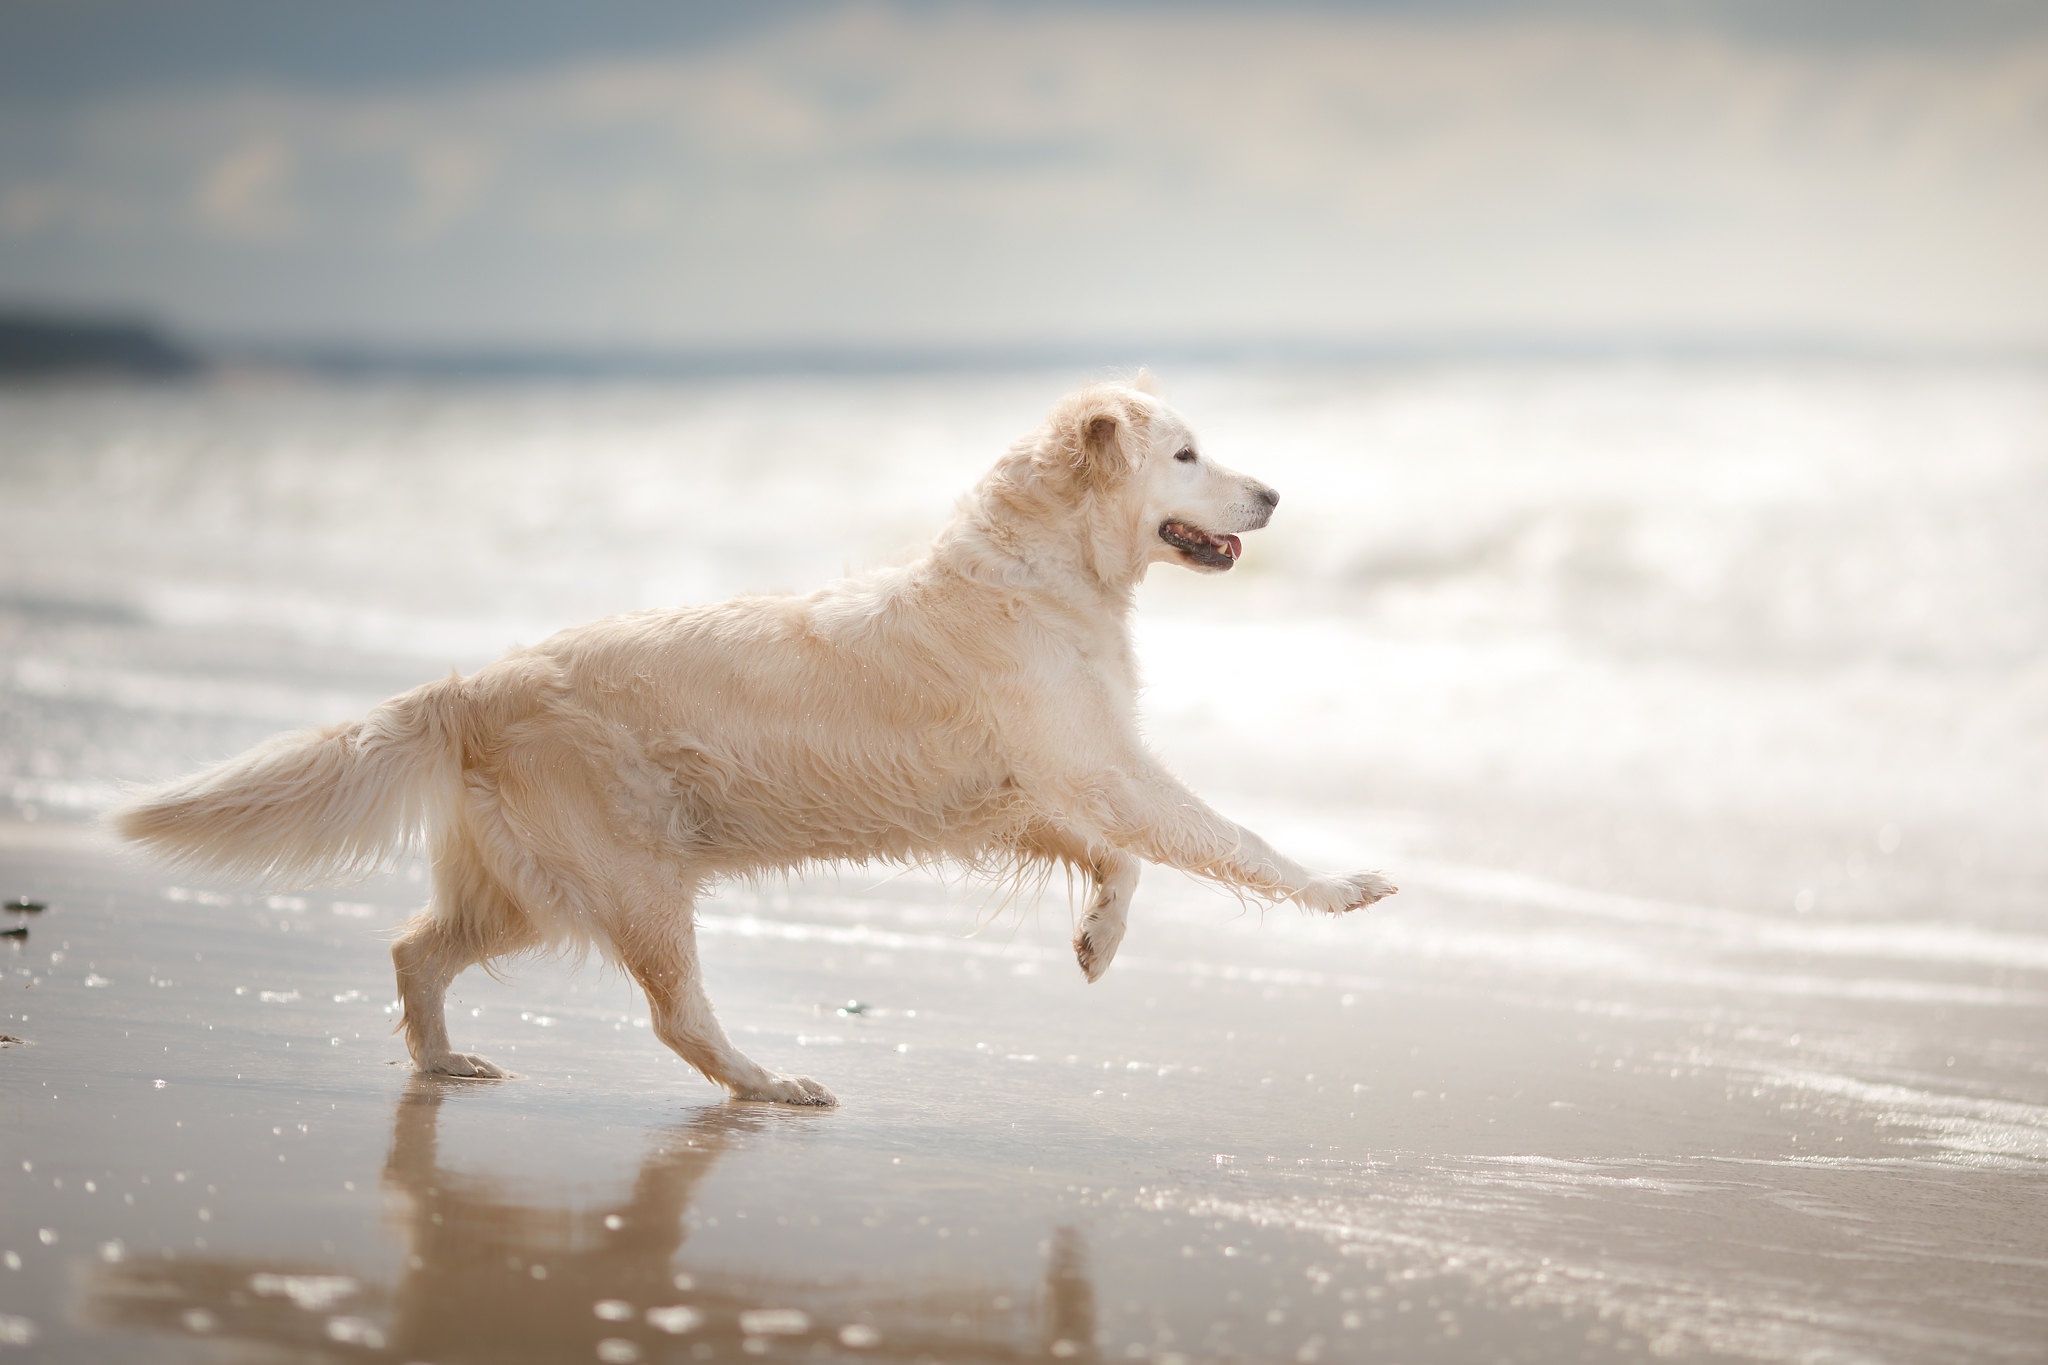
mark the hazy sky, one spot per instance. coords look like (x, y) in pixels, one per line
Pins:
(784, 174)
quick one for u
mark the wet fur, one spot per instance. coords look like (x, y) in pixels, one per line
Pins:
(976, 706)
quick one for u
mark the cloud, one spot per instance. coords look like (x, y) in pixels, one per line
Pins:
(1005, 174)
(450, 178)
(246, 194)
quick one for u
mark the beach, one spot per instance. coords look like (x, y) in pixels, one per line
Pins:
(1695, 706)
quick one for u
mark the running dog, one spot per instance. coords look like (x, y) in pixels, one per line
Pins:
(978, 705)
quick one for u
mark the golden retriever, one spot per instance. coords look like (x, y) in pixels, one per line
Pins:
(977, 705)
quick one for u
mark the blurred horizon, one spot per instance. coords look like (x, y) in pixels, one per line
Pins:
(916, 182)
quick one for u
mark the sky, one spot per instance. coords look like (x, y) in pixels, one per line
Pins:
(783, 175)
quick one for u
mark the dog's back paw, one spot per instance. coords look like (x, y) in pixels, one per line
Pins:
(467, 1065)
(788, 1090)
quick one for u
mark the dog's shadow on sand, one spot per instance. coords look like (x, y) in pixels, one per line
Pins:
(488, 1277)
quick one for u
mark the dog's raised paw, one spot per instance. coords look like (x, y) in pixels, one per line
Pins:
(1093, 963)
(1094, 957)
(1095, 945)
(789, 1090)
(1084, 953)
(1340, 895)
(1370, 887)
(466, 1065)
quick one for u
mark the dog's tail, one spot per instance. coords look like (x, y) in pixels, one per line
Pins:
(314, 805)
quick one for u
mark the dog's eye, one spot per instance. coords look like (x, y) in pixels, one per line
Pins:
(1185, 456)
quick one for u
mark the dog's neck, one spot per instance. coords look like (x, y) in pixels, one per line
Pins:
(1017, 534)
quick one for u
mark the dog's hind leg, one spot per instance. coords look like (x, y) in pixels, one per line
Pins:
(428, 957)
(469, 920)
(659, 948)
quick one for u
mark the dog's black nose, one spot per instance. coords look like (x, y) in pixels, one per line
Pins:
(1270, 496)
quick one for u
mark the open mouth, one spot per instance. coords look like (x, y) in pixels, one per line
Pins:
(1211, 552)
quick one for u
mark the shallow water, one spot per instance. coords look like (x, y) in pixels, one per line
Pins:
(1697, 712)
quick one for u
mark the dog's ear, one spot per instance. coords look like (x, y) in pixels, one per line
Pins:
(1090, 434)
(1102, 444)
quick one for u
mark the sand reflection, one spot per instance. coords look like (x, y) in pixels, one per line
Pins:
(490, 1275)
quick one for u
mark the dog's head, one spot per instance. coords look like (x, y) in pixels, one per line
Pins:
(1122, 449)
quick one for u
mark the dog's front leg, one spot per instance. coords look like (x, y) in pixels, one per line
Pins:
(1155, 815)
(1112, 876)
(1095, 942)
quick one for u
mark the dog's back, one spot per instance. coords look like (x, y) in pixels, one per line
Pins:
(766, 732)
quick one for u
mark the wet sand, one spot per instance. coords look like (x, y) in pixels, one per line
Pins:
(1499, 1120)
(1711, 1020)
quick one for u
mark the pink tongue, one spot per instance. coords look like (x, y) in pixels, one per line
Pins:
(1232, 546)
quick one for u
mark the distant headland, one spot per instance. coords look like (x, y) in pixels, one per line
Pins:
(49, 346)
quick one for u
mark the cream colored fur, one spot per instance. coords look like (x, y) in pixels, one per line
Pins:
(978, 705)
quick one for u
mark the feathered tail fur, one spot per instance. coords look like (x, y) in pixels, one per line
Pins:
(315, 805)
